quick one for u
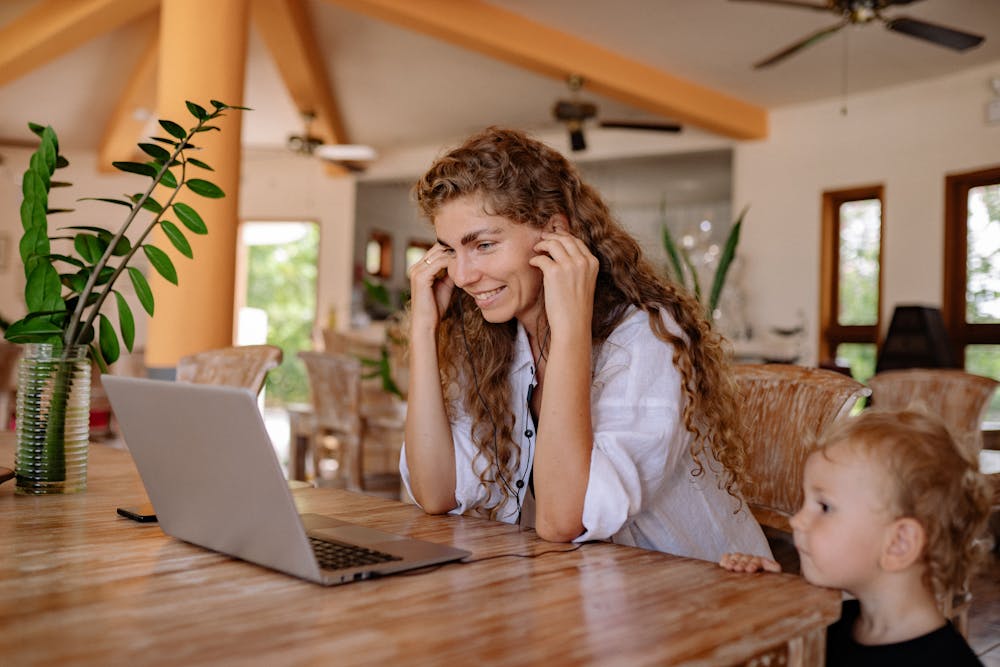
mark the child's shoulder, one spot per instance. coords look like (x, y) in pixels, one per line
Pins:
(944, 646)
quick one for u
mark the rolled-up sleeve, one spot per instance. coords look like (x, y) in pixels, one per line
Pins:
(635, 409)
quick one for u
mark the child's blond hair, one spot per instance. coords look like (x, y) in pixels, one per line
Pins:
(931, 481)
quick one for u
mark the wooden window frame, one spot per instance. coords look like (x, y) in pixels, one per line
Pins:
(831, 332)
(384, 239)
(956, 206)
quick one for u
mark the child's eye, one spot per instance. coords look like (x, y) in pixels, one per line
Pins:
(824, 507)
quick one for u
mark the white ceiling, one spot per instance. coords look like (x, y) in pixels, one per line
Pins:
(400, 89)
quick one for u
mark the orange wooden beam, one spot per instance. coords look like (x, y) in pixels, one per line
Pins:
(125, 126)
(512, 38)
(53, 28)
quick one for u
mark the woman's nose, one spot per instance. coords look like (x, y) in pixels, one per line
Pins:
(462, 271)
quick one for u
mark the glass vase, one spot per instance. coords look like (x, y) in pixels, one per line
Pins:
(53, 419)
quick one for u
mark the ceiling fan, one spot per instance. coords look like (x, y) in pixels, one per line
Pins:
(354, 157)
(866, 11)
(574, 111)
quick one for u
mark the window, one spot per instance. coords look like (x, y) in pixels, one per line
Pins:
(378, 255)
(972, 273)
(851, 278)
(415, 250)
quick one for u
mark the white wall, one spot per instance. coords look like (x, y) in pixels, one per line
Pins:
(908, 139)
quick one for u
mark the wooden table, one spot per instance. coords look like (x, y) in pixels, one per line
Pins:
(80, 585)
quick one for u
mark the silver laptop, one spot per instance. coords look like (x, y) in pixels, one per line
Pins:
(214, 480)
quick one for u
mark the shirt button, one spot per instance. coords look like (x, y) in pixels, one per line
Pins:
(529, 433)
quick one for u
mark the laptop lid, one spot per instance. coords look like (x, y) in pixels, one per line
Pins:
(213, 477)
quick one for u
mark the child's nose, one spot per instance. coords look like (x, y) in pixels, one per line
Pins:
(798, 520)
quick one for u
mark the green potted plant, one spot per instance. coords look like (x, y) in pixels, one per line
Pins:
(71, 273)
(683, 271)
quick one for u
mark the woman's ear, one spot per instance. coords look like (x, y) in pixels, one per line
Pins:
(557, 223)
(905, 542)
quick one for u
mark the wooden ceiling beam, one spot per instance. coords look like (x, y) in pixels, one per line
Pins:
(127, 122)
(53, 28)
(286, 29)
(512, 38)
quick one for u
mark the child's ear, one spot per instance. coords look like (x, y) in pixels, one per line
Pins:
(557, 223)
(905, 541)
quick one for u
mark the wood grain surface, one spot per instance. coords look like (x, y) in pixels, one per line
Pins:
(80, 585)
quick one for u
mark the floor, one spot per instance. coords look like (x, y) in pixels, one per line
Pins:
(984, 616)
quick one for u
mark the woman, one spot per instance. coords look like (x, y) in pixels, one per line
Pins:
(555, 379)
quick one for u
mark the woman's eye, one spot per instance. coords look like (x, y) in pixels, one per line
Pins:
(485, 245)
(450, 252)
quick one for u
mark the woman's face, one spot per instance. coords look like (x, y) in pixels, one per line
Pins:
(488, 258)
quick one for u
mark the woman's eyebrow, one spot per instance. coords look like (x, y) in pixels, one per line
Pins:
(472, 236)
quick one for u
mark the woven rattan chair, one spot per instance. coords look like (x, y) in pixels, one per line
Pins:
(960, 399)
(242, 366)
(9, 355)
(786, 407)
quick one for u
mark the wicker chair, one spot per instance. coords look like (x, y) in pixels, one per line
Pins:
(960, 399)
(9, 355)
(786, 407)
(243, 366)
(358, 426)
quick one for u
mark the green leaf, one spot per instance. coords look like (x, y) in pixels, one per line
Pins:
(104, 276)
(150, 204)
(34, 244)
(694, 274)
(727, 257)
(36, 200)
(190, 218)
(125, 321)
(196, 110)
(199, 163)
(164, 140)
(59, 184)
(36, 128)
(176, 237)
(90, 247)
(173, 128)
(205, 188)
(168, 180)
(61, 162)
(49, 211)
(33, 329)
(206, 128)
(43, 288)
(673, 255)
(37, 165)
(154, 151)
(76, 281)
(109, 340)
(136, 168)
(49, 148)
(142, 290)
(120, 202)
(69, 260)
(161, 262)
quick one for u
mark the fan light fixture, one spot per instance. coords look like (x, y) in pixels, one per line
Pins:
(307, 144)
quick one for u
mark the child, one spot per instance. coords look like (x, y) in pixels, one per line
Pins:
(891, 514)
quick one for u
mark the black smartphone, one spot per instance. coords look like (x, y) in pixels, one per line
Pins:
(142, 513)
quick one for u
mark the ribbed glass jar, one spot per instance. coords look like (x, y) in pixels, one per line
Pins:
(53, 419)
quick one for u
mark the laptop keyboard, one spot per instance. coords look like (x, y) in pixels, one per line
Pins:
(336, 555)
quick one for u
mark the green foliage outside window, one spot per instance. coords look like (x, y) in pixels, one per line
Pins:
(282, 282)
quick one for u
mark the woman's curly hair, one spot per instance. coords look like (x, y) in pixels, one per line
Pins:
(527, 182)
(930, 480)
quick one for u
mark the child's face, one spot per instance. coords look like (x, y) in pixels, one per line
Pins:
(843, 523)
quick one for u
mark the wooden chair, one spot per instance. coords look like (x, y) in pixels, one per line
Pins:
(353, 424)
(786, 408)
(10, 353)
(960, 399)
(243, 366)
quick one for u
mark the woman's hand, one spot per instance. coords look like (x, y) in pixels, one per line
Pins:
(430, 288)
(735, 562)
(569, 273)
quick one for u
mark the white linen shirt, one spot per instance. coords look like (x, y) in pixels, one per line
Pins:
(641, 490)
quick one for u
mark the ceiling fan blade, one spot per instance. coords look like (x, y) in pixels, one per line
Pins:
(345, 152)
(938, 34)
(824, 7)
(641, 125)
(799, 45)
